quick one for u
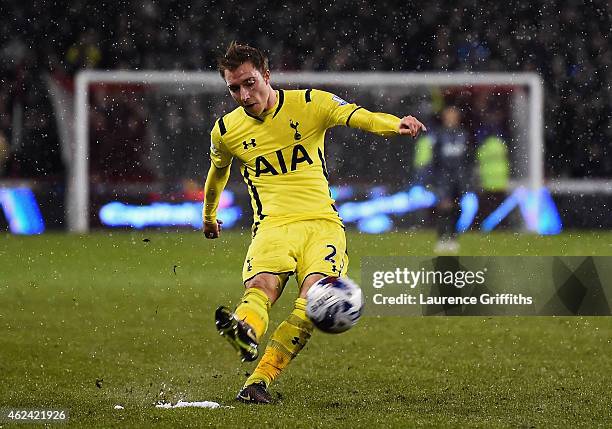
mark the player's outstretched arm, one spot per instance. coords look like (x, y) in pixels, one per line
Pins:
(213, 188)
(386, 124)
(335, 111)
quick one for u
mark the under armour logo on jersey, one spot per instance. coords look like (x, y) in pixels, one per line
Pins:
(247, 144)
(293, 125)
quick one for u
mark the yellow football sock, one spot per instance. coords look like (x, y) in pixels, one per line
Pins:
(254, 310)
(286, 342)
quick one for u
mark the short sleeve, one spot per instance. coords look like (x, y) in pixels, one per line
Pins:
(219, 155)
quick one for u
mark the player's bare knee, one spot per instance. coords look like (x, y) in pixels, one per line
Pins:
(308, 282)
(267, 283)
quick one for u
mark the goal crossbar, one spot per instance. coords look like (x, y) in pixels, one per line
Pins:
(77, 196)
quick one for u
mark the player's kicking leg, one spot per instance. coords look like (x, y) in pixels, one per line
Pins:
(287, 341)
(238, 333)
(244, 327)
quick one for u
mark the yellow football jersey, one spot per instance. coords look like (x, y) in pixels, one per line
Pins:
(282, 152)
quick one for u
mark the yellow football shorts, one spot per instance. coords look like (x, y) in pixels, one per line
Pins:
(301, 248)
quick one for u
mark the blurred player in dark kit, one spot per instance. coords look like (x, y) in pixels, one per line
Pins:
(451, 176)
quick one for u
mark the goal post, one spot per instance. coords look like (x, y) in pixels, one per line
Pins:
(78, 185)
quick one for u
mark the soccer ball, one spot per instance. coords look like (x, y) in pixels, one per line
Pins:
(334, 304)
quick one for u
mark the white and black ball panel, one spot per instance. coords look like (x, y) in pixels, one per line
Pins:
(334, 304)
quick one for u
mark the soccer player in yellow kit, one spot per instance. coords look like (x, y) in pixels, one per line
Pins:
(278, 136)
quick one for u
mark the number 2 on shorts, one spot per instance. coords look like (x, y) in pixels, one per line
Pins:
(330, 257)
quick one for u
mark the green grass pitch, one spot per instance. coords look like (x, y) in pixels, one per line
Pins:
(89, 322)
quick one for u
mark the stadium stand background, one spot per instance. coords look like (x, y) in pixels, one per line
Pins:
(564, 41)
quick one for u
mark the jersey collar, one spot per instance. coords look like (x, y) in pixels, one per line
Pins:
(280, 100)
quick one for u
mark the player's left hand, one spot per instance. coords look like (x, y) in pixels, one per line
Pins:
(411, 126)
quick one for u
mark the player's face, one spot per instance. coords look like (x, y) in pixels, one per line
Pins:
(249, 87)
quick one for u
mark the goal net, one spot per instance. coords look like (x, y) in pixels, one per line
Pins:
(141, 141)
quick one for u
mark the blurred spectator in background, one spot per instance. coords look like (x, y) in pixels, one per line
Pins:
(492, 163)
(85, 53)
(422, 161)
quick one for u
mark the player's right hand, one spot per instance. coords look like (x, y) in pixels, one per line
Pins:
(212, 229)
(411, 126)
